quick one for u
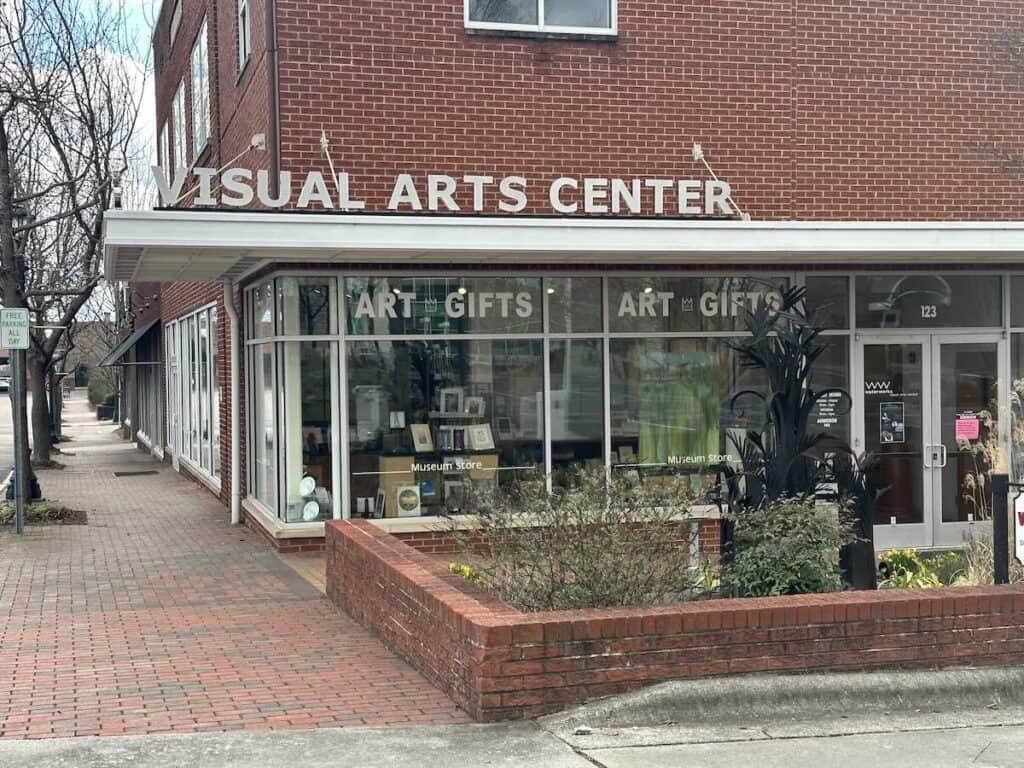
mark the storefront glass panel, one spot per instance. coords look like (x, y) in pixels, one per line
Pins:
(306, 305)
(686, 304)
(308, 368)
(673, 407)
(577, 406)
(925, 300)
(828, 301)
(435, 425)
(574, 304)
(403, 306)
(831, 371)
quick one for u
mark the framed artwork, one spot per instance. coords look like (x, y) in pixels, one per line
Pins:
(481, 438)
(475, 406)
(422, 442)
(407, 500)
(397, 419)
(451, 400)
(504, 425)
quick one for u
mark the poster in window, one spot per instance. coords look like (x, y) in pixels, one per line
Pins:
(422, 442)
(892, 423)
(481, 438)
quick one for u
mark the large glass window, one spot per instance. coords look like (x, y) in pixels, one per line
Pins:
(403, 306)
(200, 93)
(828, 301)
(263, 432)
(308, 367)
(434, 425)
(574, 304)
(178, 128)
(194, 392)
(672, 408)
(577, 406)
(927, 300)
(686, 304)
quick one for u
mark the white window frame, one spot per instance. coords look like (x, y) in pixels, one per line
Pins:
(541, 27)
(244, 33)
(200, 92)
(179, 140)
(162, 153)
(184, 404)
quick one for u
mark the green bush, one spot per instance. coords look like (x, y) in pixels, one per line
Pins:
(110, 399)
(787, 547)
(905, 569)
(99, 389)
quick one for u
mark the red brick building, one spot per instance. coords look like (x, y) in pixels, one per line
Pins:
(472, 242)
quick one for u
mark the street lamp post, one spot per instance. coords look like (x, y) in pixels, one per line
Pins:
(20, 218)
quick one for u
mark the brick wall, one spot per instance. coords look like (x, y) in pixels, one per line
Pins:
(812, 109)
(499, 663)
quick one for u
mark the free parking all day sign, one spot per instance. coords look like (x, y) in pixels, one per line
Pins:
(14, 328)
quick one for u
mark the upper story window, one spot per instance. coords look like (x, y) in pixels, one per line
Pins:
(587, 17)
(178, 127)
(175, 20)
(244, 33)
(161, 148)
(200, 93)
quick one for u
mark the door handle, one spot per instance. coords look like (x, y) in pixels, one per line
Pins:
(942, 464)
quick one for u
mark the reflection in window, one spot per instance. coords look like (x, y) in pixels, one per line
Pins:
(308, 408)
(577, 406)
(831, 371)
(380, 306)
(828, 301)
(431, 422)
(574, 304)
(926, 300)
(672, 404)
(306, 305)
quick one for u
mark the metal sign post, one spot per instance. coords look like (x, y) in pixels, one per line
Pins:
(14, 332)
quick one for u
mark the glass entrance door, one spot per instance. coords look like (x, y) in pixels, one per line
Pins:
(930, 412)
(895, 428)
(966, 424)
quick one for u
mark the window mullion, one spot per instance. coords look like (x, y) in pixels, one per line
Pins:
(541, 21)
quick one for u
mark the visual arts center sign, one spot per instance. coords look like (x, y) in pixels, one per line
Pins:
(242, 187)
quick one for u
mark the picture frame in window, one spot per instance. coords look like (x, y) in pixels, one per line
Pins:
(504, 428)
(422, 440)
(451, 400)
(408, 501)
(480, 437)
(445, 439)
(475, 406)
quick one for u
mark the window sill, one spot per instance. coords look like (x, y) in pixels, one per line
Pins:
(243, 69)
(212, 483)
(278, 529)
(538, 34)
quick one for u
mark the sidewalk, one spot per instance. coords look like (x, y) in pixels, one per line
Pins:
(160, 617)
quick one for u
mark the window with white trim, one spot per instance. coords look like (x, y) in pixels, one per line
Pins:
(178, 127)
(200, 93)
(193, 391)
(595, 17)
(244, 34)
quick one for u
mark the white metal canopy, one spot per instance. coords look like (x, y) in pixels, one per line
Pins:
(170, 245)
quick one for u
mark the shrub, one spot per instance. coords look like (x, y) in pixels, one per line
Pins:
(44, 513)
(979, 564)
(787, 547)
(596, 544)
(110, 399)
(99, 389)
(904, 569)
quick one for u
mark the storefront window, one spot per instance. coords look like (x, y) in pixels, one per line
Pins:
(686, 304)
(309, 455)
(574, 304)
(434, 426)
(262, 300)
(828, 301)
(306, 305)
(577, 406)
(1017, 405)
(1017, 301)
(672, 408)
(925, 300)
(831, 371)
(401, 306)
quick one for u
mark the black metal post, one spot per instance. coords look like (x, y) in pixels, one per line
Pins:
(1000, 529)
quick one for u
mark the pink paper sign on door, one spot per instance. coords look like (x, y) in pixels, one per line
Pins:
(968, 428)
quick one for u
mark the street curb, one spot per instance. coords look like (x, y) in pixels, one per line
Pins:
(777, 698)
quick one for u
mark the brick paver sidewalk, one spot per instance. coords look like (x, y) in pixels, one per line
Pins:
(159, 616)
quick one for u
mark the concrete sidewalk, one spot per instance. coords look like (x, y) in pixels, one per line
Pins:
(161, 617)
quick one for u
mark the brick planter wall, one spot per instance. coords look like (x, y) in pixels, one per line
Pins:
(499, 663)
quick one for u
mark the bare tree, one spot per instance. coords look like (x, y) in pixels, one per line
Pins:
(69, 100)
